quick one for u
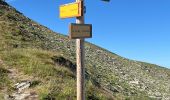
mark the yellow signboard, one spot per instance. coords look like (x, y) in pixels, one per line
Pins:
(71, 10)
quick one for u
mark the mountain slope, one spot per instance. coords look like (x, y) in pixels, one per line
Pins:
(38, 54)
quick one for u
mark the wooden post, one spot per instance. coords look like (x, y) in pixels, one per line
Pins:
(80, 62)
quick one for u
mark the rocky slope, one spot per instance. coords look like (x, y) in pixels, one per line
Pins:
(35, 54)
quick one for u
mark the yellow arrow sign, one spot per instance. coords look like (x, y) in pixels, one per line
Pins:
(71, 10)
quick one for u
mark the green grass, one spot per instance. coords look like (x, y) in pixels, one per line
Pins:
(5, 82)
(1, 96)
(57, 81)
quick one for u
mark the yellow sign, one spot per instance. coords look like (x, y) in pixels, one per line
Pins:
(71, 10)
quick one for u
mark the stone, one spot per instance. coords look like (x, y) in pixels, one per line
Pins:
(23, 85)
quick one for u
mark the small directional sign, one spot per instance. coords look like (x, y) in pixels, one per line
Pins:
(80, 31)
(71, 10)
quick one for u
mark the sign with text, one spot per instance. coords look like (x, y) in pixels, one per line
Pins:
(80, 31)
(71, 10)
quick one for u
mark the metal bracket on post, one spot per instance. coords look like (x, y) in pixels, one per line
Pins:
(84, 9)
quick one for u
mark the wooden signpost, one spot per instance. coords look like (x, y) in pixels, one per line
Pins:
(78, 31)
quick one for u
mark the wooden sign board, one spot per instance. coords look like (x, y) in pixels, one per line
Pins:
(71, 10)
(80, 31)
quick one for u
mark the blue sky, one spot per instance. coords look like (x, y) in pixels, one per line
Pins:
(135, 29)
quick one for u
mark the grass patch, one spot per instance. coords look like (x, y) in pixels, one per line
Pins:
(94, 93)
(58, 81)
(39, 64)
(1, 96)
(35, 62)
(4, 78)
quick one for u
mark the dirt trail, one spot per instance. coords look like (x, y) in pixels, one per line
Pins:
(21, 83)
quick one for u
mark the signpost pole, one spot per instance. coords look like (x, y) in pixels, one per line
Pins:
(80, 62)
(78, 31)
